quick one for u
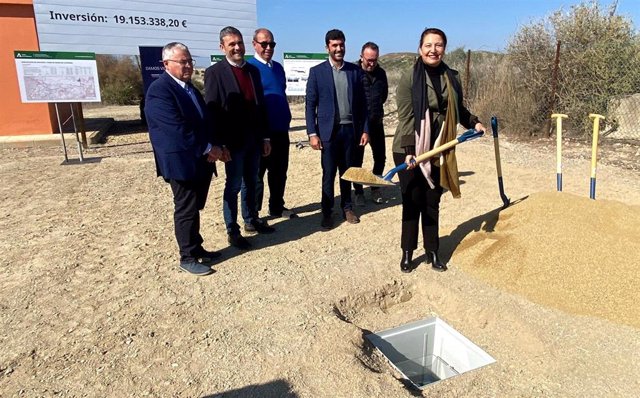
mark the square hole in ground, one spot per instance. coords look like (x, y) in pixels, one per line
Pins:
(428, 351)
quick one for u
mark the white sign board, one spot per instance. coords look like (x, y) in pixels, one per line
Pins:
(57, 76)
(120, 26)
(296, 68)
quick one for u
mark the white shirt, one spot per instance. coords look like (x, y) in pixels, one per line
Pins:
(269, 63)
(234, 64)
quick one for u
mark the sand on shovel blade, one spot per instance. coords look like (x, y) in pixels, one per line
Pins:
(364, 177)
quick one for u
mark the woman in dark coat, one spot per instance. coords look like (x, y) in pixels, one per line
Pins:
(429, 98)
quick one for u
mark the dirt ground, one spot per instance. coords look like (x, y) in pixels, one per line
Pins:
(92, 302)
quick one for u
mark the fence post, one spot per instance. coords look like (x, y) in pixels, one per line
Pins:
(554, 89)
(467, 75)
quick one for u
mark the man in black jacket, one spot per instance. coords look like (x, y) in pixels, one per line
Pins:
(235, 98)
(376, 89)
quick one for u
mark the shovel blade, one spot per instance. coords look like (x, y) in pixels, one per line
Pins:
(364, 177)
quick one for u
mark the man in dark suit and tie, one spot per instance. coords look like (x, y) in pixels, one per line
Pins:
(185, 151)
(336, 116)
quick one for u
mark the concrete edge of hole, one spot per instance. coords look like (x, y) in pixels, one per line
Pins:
(428, 351)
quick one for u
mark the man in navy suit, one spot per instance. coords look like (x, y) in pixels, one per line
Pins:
(184, 151)
(336, 116)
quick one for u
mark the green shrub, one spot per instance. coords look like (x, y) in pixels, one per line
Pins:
(120, 80)
(599, 59)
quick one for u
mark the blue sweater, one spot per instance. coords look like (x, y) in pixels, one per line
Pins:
(274, 84)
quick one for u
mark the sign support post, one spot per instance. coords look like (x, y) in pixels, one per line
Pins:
(75, 131)
(64, 144)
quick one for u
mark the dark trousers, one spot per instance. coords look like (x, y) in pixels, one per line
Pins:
(376, 141)
(242, 174)
(420, 205)
(338, 154)
(189, 197)
(276, 164)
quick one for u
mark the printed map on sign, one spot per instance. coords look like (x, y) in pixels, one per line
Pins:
(63, 83)
(57, 77)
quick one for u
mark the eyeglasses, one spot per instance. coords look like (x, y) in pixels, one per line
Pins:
(184, 62)
(265, 44)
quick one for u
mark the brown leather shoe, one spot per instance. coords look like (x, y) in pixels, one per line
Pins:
(351, 217)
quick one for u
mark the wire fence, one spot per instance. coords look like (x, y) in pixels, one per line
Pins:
(494, 86)
(623, 117)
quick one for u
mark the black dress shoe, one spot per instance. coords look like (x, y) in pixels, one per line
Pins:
(327, 222)
(259, 226)
(284, 213)
(206, 256)
(436, 264)
(239, 241)
(405, 263)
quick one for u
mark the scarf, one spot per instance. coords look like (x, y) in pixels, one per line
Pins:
(422, 127)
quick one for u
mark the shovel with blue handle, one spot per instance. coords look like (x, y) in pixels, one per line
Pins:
(362, 176)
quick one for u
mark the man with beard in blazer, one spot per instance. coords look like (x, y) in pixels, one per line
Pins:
(185, 151)
(336, 117)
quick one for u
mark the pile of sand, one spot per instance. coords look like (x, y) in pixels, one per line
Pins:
(563, 251)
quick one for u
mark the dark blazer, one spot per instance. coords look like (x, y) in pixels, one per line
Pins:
(179, 134)
(321, 104)
(236, 122)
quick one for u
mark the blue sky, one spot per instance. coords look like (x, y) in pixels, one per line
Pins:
(395, 25)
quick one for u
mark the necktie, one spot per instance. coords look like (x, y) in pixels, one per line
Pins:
(192, 94)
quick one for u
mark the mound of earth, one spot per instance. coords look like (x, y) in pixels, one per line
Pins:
(563, 251)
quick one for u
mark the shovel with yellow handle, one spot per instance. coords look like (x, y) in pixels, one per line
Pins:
(366, 177)
(594, 152)
(559, 117)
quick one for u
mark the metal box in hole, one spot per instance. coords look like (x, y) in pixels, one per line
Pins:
(428, 351)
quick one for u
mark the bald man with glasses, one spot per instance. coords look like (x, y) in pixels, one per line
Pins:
(276, 164)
